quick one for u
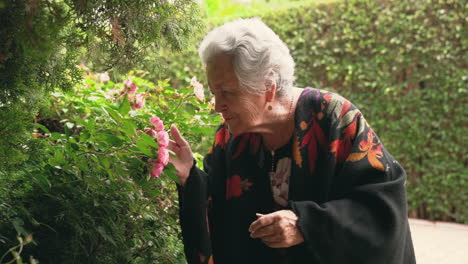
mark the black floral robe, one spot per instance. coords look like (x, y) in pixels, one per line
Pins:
(346, 189)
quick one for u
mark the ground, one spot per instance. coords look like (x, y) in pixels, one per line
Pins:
(439, 242)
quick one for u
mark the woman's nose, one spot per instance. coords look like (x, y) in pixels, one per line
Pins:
(220, 105)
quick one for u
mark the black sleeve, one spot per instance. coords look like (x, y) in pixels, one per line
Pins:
(193, 205)
(194, 202)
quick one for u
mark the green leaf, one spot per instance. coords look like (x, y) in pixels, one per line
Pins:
(92, 126)
(67, 131)
(42, 180)
(105, 162)
(84, 136)
(113, 114)
(170, 172)
(148, 140)
(143, 147)
(102, 231)
(58, 158)
(88, 124)
(43, 128)
(82, 166)
(18, 224)
(110, 139)
(81, 122)
(124, 107)
(128, 127)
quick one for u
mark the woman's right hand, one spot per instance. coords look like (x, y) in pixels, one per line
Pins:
(184, 156)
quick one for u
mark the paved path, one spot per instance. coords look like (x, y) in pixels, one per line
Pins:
(439, 242)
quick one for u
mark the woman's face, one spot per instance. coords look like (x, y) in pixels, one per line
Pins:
(241, 109)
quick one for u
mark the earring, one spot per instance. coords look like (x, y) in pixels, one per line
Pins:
(270, 107)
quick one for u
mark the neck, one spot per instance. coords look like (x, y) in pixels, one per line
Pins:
(276, 140)
(279, 124)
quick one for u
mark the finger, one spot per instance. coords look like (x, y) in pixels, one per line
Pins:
(271, 239)
(259, 215)
(173, 146)
(177, 136)
(173, 159)
(276, 244)
(265, 231)
(262, 221)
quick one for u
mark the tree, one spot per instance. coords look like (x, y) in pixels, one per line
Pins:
(42, 41)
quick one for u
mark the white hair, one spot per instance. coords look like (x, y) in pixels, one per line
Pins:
(258, 54)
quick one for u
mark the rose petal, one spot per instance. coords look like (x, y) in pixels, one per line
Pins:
(163, 156)
(163, 138)
(156, 170)
(157, 123)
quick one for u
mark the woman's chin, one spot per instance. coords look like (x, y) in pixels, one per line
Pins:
(237, 130)
(233, 128)
(236, 126)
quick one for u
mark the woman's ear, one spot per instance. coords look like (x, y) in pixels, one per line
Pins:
(270, 85)
(271, 92)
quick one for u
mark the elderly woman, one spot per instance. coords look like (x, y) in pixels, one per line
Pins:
(294, 175)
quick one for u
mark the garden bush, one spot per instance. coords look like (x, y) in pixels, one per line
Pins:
(77, 190)
(404, 64)
(94, 195)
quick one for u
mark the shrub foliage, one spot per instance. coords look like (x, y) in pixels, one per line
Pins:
(89, 197)
(43, 40)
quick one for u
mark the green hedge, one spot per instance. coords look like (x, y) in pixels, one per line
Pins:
(404, 64)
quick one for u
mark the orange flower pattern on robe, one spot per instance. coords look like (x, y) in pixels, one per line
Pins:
(342, 147)
(350, 125)
(371, 149)
(233, 187)
(297, 152)
(312, 140)
(222, 137)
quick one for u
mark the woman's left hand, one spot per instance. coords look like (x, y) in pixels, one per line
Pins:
(277, 230)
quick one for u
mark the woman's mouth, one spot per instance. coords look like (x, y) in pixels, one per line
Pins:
(227, 118)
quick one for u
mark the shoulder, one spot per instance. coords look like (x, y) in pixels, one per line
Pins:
(326, 105)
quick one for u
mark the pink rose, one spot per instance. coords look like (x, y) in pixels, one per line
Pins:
(130, 86)
(138, 102)
(197, 88)
(163, 138)
(163, 156)
(151, 132)
(156, 170)
(113, 94)
(157, 123)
